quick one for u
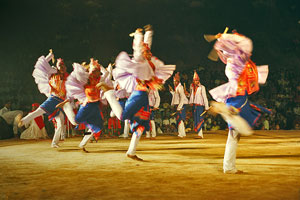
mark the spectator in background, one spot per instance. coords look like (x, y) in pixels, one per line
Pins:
(159, 131)
(208, 124)
(266, 124)
(158, 119)
(11, 118)
(215, 126)
(172, 120)
(6, 108)
(166, 125)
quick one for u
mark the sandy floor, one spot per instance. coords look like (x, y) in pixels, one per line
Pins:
(173, 169)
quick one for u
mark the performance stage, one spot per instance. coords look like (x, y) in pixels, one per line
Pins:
(173, 168)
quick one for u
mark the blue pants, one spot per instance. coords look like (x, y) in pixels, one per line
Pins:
(90, 115)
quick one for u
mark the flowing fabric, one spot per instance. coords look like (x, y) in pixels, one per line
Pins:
(127, 71)
(243, 76)
(75, 83)
(42, 73)
(235, 51)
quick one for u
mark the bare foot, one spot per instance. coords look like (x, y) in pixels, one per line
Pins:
(134, 157)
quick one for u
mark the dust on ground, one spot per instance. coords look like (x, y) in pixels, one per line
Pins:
(173, 168)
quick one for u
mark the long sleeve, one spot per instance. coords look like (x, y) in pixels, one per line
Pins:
(181, 98)
(75, 83)
(42, 73)
(204, 97)
(234, 51)
(191, 95)
(157, 99)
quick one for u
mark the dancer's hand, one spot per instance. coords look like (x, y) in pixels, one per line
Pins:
(218, 35)
(103, 86)
(61, 105)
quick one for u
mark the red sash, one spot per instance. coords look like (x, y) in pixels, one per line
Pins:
(57, 84)
(248, 80)
(91, 92)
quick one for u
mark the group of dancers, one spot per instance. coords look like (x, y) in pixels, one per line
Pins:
(131, 87)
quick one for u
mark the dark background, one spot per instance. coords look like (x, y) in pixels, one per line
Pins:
(79, 29)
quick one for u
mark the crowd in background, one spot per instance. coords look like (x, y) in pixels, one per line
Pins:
(281, 94)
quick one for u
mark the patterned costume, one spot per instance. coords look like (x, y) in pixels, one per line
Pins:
(243, 79)
(81, 85)
(179, 100)
(51, 82)
(199, 102)
(136, 75)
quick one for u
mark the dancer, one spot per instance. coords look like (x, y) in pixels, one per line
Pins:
(137, 75)
(243, 79)
(179, 100)
(199, 102)
(51, 82)
(82, 85)
(36, 129)
(154, 101)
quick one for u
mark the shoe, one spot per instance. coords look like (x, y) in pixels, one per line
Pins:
(123, 136)
(181, 137)
(134, 157)
(198, 137)
(54, 146)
